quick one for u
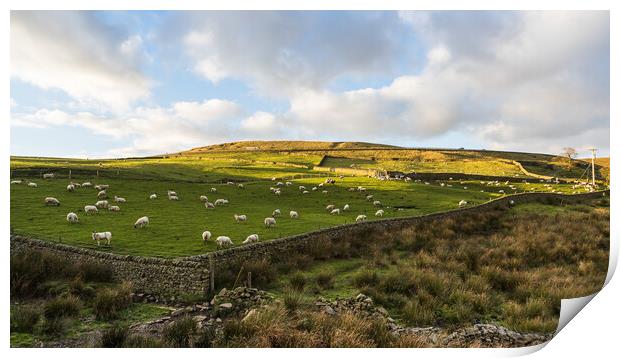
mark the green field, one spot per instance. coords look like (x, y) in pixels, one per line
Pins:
(176, 226)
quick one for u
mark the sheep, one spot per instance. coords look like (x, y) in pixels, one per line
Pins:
(173, 197)
(100, 236)
(335, 212)
(302, 188)
(376, 203)
(276, 213)
(206, 236)
(320, 185)
(464, 188)
(330, 207)
(114, 208)
(102, 187)
(369, 197)
(230, 183)
(72, 218)
(324, 192)
(305, 192)
(270, 222)
(172, 193)
(279, 183)
(288, 183)
(240, 218)
(87, 184)
(512, 202)
(379, 212)
(75, 185)
(223, 241)
(102, 194)
(152, 196)
(52, 201)
(142, 222)
(209, 205)
(118, 199)
(346, 207)
(351, 189)
(70, 187)
(360, 218)
(219, 202)
(204, 198)
(88, 209)
(48, 176)
(240, 186)
(314, 188)
(213, 190)
(277, 192)
(16, 181)
(293, 214)
(251, 238)
(462, 203)
(32, 185)
(102, 204)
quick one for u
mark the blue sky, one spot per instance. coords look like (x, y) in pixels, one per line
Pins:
(125, 83)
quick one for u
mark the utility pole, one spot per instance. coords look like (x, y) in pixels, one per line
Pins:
(593, 171)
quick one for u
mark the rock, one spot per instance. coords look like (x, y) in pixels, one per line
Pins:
(330, 311)
(226, 305)
(200, 318)
(249, 315)
(222, 292)
(361, 297)
(383, 311)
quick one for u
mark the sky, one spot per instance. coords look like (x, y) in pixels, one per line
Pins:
(95, 84)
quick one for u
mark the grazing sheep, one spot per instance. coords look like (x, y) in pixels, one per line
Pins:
(277, 192)
(223, 241)
(379, 212)
(360, 218)
(213, 190)
(90, 209)
(462, 203)
(173, 197)
(52, 201)
(171, 192)
(219, 202)
(346, 207)
(152, 196)
(142, 222)
(230, 183)
(320, 185)
(330, 207)
(70, 187)
(270, 222)
(102, 204)
(72, 218)
(251, 238)
(302, 188)
(305, 192)
(288, 183)
(293, 214)
(369, 197)
(361, 188)
(240, 186)
(501, 191)
(240, 218)
(100, 236)
(204, 198)
(464, 188)
(324, 192)
(335, 212)
(76, 185)
(118, 199)
(102, 187)
(48, 176)
(209, 205)
(87, 184)
(376, 203)
(16, 181)
(206, 236)
(32, 185)
(314, 188)
(114, 208)
(276, 213)
(102, 194)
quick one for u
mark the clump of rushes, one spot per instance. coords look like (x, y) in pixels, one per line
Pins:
(297, 281)
(108, 302)
(325, 279)
(180, 334)
(24, 318)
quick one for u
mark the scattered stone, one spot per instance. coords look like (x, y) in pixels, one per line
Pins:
(226, 305)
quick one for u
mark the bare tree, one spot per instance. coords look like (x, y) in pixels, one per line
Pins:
(569, 153)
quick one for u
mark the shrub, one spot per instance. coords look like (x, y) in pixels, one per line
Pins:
(96, 272)
(366, 278)
(60, 307)
(325, 279)
(114, 337)
(109, 302)
(263, 272)
(137, 341)
(24, 318)
(180, 334)
(297, 281)
(52, 327)
(292, 300)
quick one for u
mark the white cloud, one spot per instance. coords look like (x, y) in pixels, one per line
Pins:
(73, 51)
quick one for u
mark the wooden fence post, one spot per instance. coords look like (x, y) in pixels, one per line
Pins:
(249, 279)
(69, 173)
(97, 173)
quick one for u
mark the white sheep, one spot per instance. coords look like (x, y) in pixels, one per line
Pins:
(102, 204)
(209, 205)
(70, 187)
(279, 183)
(302, 188)
(277, 192)
(240, 186)
(16, 181)
(276, 213)
(369, 197)
(142, 222)
(219, 202)
(240, 218)
(330, 207)
(87, 184)
(102, 194)
(270, 222)
(324, 192)
(346, 207)
(90, 209)
(173, 197)
(379, 212)
(360, 218)
(223, 241)
(72, 218)
(48, 176)
(464, 188)
(376, 203)
(152, 196)
(314, 188)
(32, 185)
(114, 208)
(100, 236)
(204, 198)
(512, 202)
(288, 183)
(52, 201)
(118, 199)
(305, 192)
(462, 203)
(213, 190)
(335, 212)
(230, 183)
(251, 238)
(206, 235)
(293, 214)
(102, 186)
